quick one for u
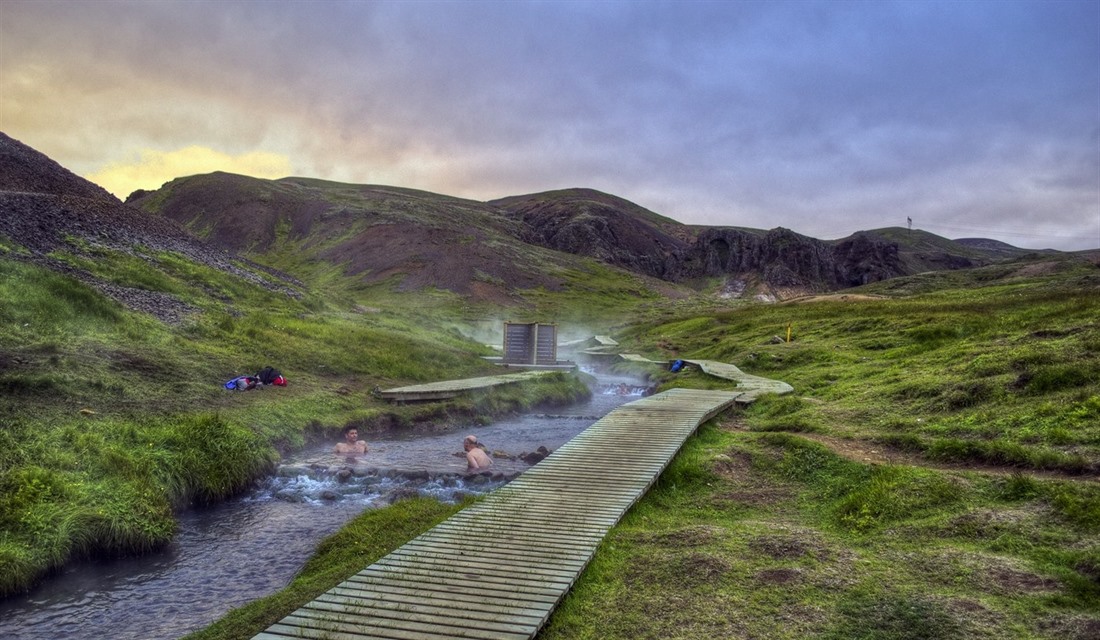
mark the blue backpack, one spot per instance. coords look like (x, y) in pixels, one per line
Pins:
(241, 383)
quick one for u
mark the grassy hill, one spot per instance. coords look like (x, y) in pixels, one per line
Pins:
(507, 252)
(365, 242)
(113, 419)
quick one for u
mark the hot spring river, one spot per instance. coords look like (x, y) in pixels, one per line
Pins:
(250, 547)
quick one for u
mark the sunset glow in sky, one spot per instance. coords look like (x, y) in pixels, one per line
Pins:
(978, 118)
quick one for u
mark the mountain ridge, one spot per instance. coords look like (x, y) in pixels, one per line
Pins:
(488, 250)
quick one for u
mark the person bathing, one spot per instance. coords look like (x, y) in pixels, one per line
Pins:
(476, 458)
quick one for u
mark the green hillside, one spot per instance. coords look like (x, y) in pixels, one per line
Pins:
(934, 475)
(113, 419)
(362, 243)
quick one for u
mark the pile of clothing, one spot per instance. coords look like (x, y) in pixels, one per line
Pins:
(264, 377)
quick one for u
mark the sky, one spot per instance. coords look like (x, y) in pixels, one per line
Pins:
(969, 118)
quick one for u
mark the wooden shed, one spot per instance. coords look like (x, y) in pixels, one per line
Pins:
(530, 343)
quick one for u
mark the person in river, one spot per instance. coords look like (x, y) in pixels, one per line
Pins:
(352, 445)
(476, 458)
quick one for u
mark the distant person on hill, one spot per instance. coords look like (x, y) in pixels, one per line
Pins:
(476, 458)
(352, 445)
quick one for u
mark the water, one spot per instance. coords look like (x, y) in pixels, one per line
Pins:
(250, 547)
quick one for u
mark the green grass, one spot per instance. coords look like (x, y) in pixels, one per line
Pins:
(772, 536)
(111, 421)
(1007, 373)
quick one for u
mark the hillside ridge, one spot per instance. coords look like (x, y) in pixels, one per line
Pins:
(415, 239)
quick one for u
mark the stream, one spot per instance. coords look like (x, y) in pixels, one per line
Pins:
(249, 547)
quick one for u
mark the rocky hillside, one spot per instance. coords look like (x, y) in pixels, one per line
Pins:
(46, 208)
(619, 232)
(415, 239)
(490, 249)
(597, 225)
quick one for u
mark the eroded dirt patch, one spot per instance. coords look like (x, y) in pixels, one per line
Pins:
(700, 568)
(783, 547)
(736, 467)
(982, 571)
(694, 536)
(779, 576)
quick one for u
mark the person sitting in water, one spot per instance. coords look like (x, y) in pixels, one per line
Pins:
(351, 445)
(476, 458)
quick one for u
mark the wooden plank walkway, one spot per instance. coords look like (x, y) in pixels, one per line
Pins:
(452, 388)
(749, 385)
(498, 568)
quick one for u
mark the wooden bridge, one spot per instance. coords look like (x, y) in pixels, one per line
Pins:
(452, 388)
(498, 568)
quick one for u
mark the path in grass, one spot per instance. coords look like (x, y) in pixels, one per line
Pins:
(875, 453)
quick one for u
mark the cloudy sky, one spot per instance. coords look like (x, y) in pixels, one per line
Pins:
(973, 118)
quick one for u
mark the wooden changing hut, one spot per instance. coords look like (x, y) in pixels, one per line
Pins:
(530, 343)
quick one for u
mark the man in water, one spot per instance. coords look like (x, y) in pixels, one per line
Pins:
(352, 445)
(476, 459)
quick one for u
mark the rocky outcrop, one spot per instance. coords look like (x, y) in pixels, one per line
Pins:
(618, 232)
(861, 259)
(25, 170)
(597, 225)
(46, 208)
(783, 258)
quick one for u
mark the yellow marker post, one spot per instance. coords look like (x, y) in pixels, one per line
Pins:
(788, 332)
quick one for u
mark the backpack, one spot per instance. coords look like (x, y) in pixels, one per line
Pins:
(676, 366)
(268, 375)
(241, 383)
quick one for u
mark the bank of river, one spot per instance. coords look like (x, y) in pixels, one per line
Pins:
(251, 547)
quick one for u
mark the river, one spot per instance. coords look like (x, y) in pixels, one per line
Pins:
(252, 546)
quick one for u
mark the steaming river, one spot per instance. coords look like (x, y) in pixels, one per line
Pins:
(250, 547)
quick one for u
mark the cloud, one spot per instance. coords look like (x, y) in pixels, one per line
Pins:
(153, 168)
(822, 117)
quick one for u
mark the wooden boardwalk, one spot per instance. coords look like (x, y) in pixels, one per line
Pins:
(749, 386)
(452, 388)
(498, 568)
